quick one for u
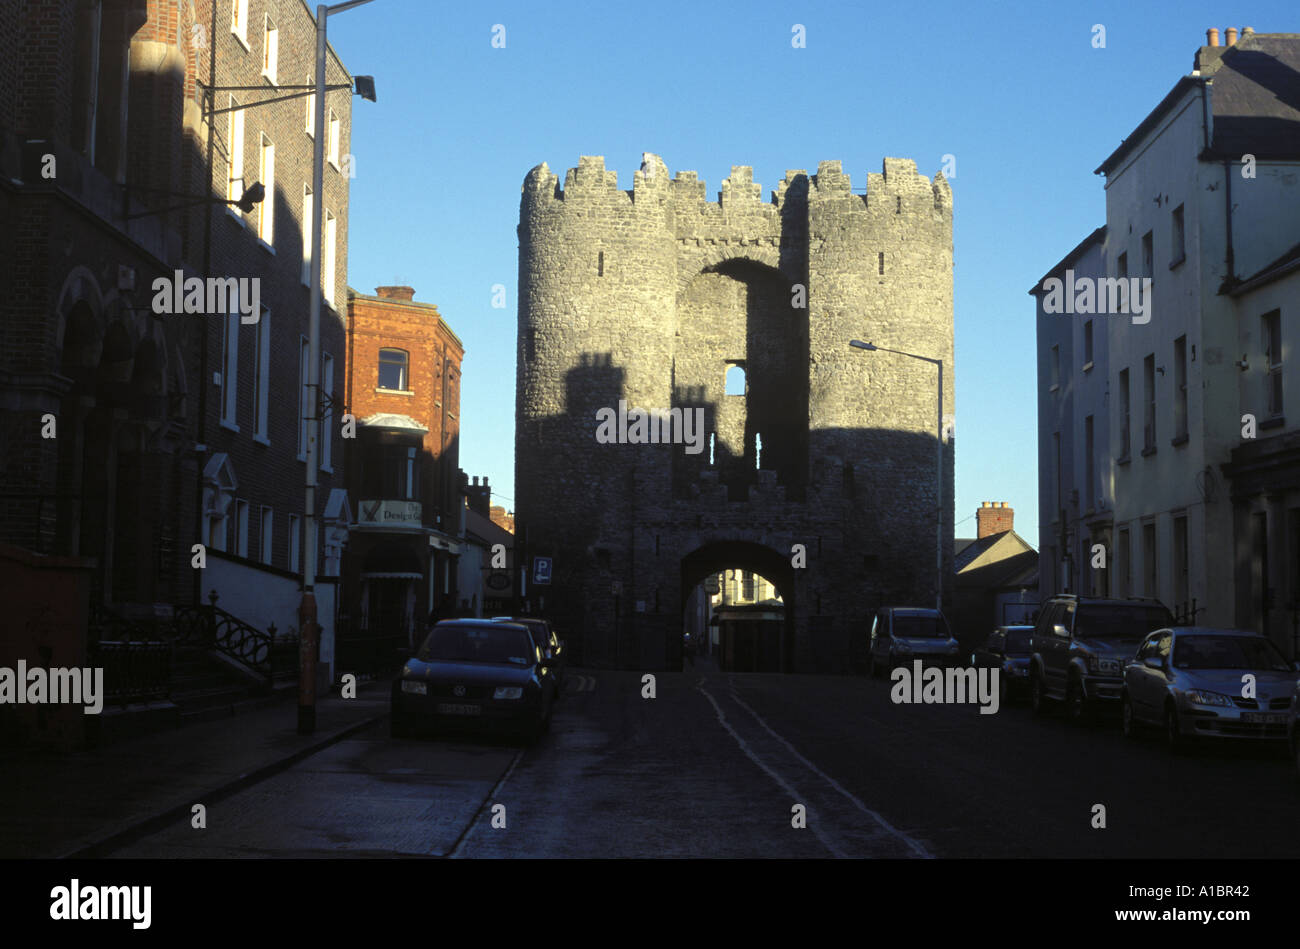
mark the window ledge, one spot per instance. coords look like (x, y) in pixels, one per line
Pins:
(237, 215)
(1087, 366)
(1273, 421)
(1178, 261)
(270, 79)
(1123, 459)
(1148, 451)
(381, 391)
(262, 440)
(265, 246)
(243, 39)
(1179, 440)
(1054, 387)
(229, 425)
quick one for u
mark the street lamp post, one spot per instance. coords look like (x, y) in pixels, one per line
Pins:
(309, 641)
(938, 454)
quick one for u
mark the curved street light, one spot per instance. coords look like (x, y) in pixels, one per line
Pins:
(938, 364)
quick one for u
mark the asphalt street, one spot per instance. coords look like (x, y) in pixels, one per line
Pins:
(730, 765)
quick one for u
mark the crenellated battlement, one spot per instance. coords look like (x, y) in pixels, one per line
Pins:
(898, 179)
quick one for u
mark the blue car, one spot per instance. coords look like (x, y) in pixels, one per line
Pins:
(474, 673)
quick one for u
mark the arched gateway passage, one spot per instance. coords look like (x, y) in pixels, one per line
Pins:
(717, 556)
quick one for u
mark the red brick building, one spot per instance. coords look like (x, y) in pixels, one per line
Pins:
(403, 389)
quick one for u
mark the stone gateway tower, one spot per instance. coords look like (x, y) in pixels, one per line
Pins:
(818, 474)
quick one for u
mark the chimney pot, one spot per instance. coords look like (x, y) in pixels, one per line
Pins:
(395, 293)
(1246, 31)
(1211, 37)
(1230, 36)
(993, 517)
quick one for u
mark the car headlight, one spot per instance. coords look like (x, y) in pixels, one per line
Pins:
(508, 692)
(1094, 664)
(1198, 697)
(1109, 665)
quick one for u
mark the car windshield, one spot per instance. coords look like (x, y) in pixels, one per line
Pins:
(1228, 652)
(919, 626)
(1119, 622)
(1018, 640)
(536, 627)
(486, 643)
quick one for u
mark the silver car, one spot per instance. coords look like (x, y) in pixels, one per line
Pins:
(1293, 728)
(901, 635)
(1192, 682)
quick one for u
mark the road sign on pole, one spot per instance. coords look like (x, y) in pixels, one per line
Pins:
(541, 570)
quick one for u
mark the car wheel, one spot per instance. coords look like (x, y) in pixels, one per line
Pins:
(1127, 721)
(1037, 698)
(1076, 706)
(1174, 736)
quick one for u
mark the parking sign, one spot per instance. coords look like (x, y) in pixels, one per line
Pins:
(541, 570)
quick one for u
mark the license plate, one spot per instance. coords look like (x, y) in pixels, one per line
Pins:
(450, 708)
(1264, 718)
(419, 688)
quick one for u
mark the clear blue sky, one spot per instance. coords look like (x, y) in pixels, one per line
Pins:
(1016, 92)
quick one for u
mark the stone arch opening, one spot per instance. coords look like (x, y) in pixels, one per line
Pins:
(764, 652)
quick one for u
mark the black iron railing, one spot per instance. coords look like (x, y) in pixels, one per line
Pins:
(260, 651)
(134, 671)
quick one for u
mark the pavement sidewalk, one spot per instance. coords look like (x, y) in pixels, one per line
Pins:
(86, 803)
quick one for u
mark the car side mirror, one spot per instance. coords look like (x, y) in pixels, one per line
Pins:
(1153, 662)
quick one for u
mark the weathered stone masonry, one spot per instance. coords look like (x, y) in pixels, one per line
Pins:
(650, 295)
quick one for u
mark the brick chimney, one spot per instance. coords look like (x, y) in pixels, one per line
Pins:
(994, 517)
(396, 293)
(478, 496)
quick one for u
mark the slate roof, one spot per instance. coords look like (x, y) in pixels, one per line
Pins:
(1255, 95)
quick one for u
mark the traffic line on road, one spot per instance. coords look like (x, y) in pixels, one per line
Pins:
(453, 853)
(785, 786)
(584, 683)
(915, 846)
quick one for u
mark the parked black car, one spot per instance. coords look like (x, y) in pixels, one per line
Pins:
(552, 646)
(1080, 646)
(475, 673)
(1006, 649)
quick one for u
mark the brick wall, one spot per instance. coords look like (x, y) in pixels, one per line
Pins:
(392, 319)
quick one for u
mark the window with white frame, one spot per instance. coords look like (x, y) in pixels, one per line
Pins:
(327, 276)
(333, 140)
(262, 375)
(310, 124)
(304, 396)
(270, 50)
(239, 19)
(266, 536)
(230, 364)
(266, 209)
(295, 543)
(306, 234)
(235, 153)
(327, 412)
(241, 528)
(1273, 360)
